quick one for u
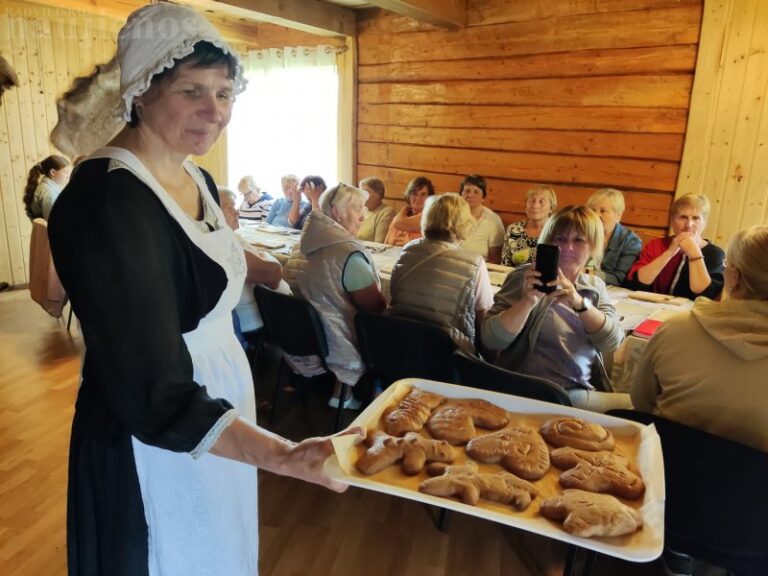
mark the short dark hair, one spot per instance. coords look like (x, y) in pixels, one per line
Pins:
(204, 55)
(316, 180)
(374, 184)
(474, 180)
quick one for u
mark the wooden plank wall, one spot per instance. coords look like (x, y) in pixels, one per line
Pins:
(573, 93)
(48, 47)
(726, 150)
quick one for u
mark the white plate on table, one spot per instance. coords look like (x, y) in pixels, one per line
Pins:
(642, 546)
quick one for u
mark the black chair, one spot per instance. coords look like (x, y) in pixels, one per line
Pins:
(393, 348)
(476, 373)
(716, 496)
(294, 326)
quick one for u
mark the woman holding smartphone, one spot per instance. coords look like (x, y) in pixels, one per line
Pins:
(561, 335)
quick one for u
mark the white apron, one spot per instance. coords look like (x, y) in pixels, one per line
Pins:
(202, 515)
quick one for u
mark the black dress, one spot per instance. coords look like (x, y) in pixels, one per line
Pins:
(136, 283)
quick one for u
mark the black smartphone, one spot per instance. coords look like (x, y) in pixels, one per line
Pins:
(547, 261)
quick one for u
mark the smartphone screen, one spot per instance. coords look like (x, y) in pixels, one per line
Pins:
(547, 261)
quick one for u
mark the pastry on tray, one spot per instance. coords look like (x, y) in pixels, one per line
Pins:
(456, 422)
(413, 450)
(577, 433)
(617, 480)
(587, 514)
(468, 485)
(412, 412)
(519, 449)
(567, 457)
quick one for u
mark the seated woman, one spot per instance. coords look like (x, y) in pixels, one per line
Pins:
(621, 245)
(379, 217)
(45, 181)
(438, 281)
(520, 242)
(706, 367)
(278, 212)
(256, 203)
(560, 336)
(684, 264)
(406, 225)
(333, 270)
(487, 236)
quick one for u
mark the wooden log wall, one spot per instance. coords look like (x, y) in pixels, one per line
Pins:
(577, 94)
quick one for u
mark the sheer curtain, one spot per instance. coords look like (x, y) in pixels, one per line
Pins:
(286, 120)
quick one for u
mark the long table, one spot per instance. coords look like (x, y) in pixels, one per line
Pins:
(632, 312)
(280, 242)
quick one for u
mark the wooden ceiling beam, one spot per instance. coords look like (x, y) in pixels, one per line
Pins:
(306, 15)
(450, 14)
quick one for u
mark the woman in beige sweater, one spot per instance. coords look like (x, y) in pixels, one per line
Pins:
(706, 368)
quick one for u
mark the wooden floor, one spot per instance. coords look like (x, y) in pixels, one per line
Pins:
(304, 530)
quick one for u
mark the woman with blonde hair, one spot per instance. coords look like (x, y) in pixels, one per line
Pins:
(406, 225)
(520, 241)
(560, 336)
(45, 182)
(706, 367)
(621, 245)
(684, 264)
(436, 280)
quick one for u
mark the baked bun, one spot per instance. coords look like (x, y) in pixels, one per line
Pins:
(412, 412)
(468, 485)
(519, 449)
(577, 433)
(587, 514)
(414, 451)
(617, 480)
(567, 457)
(456, 422)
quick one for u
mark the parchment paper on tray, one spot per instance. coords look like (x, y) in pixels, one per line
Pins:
(642, 546)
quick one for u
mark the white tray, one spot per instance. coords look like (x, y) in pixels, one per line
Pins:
(642, 546)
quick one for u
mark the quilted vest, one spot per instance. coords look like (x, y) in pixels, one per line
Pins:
(434, 281)
(314, 272)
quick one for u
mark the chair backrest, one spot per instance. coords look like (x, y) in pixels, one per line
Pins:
(717, 496)
(291, 324)
(477, 373)
(44, 284)
(395, 347)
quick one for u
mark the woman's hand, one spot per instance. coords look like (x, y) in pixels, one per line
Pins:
(305, 460)
(532, 279)
(566, 292)
(690, 245)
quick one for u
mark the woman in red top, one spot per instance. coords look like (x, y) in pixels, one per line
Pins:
(684, 264)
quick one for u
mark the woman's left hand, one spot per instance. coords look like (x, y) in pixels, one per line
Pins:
(566, 293)
(305, 460)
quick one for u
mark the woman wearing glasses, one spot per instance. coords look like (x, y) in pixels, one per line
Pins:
(333, 270)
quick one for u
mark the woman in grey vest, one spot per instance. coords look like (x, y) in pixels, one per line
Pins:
(560, 336)
(435, 280)
(333, 270)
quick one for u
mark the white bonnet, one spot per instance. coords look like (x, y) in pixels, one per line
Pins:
(153, 38)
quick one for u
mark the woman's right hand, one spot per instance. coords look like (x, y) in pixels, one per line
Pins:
(532, 279)
(305, 460)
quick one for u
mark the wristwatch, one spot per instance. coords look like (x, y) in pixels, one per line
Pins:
(586, 304)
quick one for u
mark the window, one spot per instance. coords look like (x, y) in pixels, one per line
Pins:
(286, 120)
